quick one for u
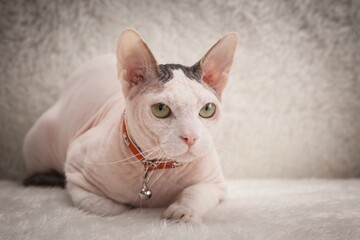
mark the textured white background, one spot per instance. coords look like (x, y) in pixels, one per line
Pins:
(292, 107)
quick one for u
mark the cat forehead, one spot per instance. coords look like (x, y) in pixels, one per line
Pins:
(185, 90)
(166, 72)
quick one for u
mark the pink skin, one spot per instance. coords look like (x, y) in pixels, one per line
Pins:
(81, 134)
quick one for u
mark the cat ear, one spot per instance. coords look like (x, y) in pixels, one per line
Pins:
(135, 62)
(216, 63)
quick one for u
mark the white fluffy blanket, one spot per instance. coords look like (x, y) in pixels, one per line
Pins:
(271, 209)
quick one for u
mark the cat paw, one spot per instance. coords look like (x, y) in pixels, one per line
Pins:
(179, 213)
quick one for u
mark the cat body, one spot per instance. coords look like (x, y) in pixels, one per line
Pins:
(82, 135)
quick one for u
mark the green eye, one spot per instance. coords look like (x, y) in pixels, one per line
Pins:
(160, 110)
(208, 110)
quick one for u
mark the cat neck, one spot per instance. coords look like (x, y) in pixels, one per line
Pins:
(142, 138)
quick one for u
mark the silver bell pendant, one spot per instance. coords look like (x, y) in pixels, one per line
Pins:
(145, 192)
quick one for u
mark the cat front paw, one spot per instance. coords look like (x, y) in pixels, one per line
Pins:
(180, 213)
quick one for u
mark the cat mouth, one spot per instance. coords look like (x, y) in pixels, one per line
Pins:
(183, 157)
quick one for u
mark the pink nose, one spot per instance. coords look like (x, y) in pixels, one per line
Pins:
(189, 139)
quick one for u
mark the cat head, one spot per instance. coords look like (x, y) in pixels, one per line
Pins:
(171, 107)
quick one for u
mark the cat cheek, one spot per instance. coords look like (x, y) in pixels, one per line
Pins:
(202, 147)
(210, 128)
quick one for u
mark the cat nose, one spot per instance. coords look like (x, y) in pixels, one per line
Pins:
(189, 139)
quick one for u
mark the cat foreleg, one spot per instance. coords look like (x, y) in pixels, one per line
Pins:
(194, 202)
(94, 203)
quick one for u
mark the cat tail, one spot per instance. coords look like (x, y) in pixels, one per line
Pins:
(46, 179)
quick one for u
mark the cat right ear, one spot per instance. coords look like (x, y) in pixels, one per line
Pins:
(135, 62)
(216, 63)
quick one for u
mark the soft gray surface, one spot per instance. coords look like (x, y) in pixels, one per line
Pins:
(292, 107)
(270, 209)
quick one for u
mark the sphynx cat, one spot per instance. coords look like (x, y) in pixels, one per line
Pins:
(171, 113)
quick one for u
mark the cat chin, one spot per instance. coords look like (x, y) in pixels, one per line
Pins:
(185, 157)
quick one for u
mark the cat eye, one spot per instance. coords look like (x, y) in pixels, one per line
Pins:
(208, 110)
(160, 110)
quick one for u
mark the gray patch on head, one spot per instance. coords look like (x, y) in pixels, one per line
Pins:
(165, 71)
(163, 74)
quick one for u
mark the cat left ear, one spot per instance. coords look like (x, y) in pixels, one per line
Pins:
(135, 62)
(217, 62)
